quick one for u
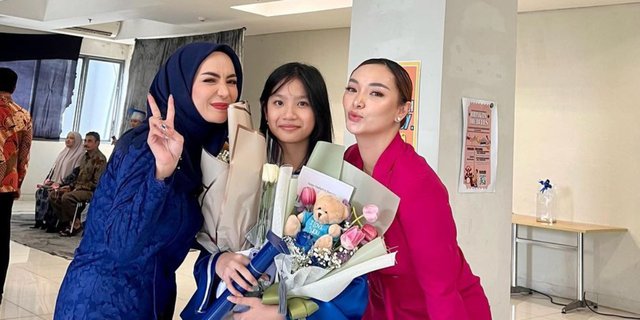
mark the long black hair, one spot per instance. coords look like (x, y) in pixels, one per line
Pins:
(316, 89)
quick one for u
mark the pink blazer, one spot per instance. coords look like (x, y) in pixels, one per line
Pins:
(432, 279)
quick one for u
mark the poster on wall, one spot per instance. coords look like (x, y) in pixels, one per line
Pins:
(409, 129)
(479, 146)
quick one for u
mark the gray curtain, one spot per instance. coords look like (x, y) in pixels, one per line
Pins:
(46, 68)
(149, 55)
(44, 89)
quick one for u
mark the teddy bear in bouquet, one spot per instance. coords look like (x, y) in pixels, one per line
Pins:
(321, 226)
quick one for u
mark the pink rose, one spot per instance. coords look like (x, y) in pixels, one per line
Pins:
(351, 238)
(369, 232)
(370, 213)
(308, 196)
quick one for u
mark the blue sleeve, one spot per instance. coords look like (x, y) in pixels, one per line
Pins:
(131, 200)
(206, 284)
(350, 304)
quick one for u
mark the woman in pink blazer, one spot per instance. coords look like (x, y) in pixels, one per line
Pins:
(432, 279)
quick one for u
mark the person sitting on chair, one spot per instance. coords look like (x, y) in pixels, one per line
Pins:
(67, 160)
(79, 186)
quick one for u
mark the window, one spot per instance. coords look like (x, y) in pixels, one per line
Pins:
(95, 99)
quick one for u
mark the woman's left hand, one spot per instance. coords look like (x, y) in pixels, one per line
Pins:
(257, 310)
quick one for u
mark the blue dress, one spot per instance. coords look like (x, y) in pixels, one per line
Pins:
(138, 232)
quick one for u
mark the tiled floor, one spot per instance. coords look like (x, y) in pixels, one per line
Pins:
(525, 307)
(34, 279)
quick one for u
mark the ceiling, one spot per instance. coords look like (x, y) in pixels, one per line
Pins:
(130, 19)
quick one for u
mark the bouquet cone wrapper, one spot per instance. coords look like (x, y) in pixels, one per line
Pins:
(327, 158)
(232, 190)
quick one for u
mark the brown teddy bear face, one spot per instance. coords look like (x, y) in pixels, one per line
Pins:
(329, 210)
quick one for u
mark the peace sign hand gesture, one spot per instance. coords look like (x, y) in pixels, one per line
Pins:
(165, 143)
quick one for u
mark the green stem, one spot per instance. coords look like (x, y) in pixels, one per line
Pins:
(357, 220)
(265, 212)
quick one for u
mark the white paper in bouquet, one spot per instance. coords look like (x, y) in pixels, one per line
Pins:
(331, 286)
(372, 249)
(293, 186)
(370, 257)
(301, 277)
(280, 202)
(322, 182)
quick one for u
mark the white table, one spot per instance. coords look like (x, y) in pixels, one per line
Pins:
(580, 229)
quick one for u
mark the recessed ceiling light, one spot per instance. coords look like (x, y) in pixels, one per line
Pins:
(285, 7)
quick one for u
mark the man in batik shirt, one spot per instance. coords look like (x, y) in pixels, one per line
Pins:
(15, 142)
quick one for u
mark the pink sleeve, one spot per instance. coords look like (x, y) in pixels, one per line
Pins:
(430, 233)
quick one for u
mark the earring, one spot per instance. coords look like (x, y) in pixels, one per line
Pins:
(398, 119)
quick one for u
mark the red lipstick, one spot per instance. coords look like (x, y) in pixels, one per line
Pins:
(220, 105)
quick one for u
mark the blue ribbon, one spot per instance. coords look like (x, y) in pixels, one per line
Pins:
(257, 267)
(545, 185)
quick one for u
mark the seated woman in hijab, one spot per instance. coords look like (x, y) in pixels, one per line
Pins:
(67, 160)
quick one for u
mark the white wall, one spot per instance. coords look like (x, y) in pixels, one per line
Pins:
(454, 39)
(479, 62)
(576, 124)
(327, 50)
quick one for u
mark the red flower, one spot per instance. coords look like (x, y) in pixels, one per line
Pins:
(369, 232)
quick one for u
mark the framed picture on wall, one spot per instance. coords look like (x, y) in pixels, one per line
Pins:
(409, 129)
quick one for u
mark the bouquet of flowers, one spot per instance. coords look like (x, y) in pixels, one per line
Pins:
(331, 237)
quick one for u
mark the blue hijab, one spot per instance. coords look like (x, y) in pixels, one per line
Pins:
(176, 77)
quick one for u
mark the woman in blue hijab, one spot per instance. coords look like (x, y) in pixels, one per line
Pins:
(144, 214)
